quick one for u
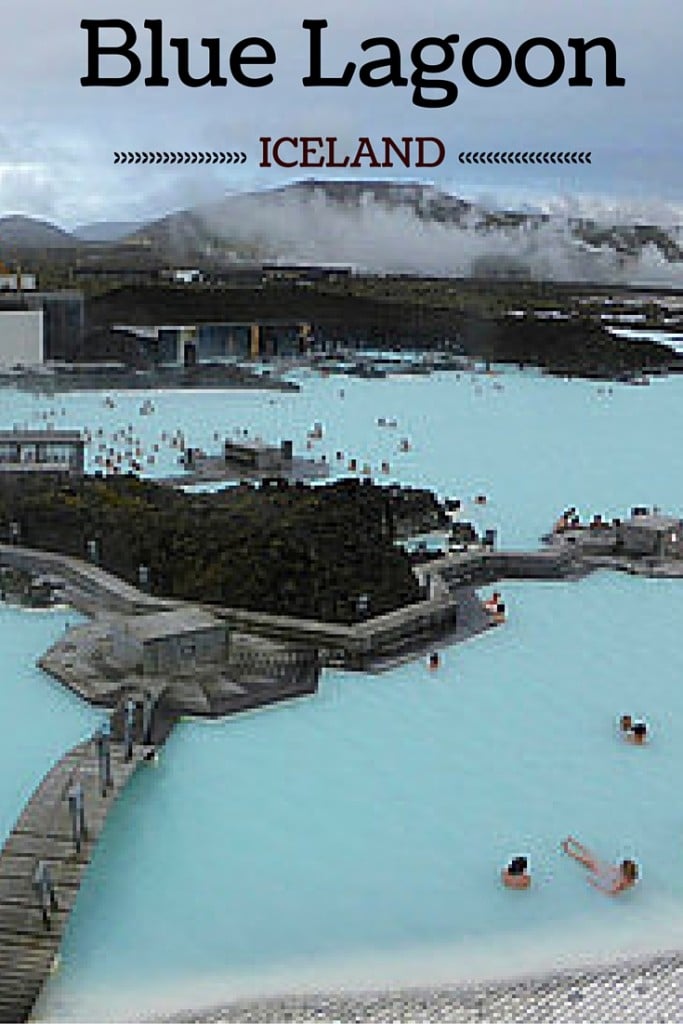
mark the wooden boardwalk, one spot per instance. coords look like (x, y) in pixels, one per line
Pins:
(43, 833)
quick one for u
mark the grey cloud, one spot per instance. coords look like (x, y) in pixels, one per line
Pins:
(634, 131)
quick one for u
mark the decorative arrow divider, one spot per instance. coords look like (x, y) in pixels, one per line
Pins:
(524, 158)
(179, 158)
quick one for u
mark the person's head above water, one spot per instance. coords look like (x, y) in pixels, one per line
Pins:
(639, 732)
(515, 875)
(629, 870)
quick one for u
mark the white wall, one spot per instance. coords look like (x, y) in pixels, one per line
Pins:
(21, 338)
(13, 283)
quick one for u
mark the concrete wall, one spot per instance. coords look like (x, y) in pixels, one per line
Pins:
(175, 653)
(172, 653)
(93, 585)
(638, 540)
(21, 338)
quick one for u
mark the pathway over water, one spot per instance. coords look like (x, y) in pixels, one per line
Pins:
(42, 839)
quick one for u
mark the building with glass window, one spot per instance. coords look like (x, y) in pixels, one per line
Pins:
(40, 451)
(187, 345)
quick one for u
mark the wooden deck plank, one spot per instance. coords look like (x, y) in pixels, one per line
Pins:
(20, 1002)
(43, 832)
(14, 887)
(29, 920)
(29, 943)
(18, 978)
(25, 961)
(21, 844)
(16, 982)
(29, 910)
(63, 874)
(17, 1009)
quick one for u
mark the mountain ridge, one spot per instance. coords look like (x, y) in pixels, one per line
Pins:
(22, 229)
(380, 226)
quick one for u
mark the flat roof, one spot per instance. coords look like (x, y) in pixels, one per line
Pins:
(41, 436)
(177, 622)
(252, 445)
(152, 330)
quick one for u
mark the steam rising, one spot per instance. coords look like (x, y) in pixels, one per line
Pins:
(382, 227)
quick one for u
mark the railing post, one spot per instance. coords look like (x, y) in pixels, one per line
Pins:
(102, 741)
(147, 714)
(42, 883)
(128, 727)
(77, 812)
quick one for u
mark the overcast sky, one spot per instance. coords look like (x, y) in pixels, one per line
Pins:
(58, 138)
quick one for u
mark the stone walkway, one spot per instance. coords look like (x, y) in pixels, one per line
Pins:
(629, 991)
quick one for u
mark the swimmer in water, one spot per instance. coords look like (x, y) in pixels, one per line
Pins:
(638, 734)
(609, 878)
(515, 875)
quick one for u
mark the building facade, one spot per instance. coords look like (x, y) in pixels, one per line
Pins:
(42, 451)
(21, 338)
(187, 345)
(651, 535)
(255, 456)
(18, 282)
(171, 642)
(63, 318)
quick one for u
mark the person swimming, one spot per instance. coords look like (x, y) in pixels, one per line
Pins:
(638, 734)
(608, 878)
(515, 875)
(633, 732)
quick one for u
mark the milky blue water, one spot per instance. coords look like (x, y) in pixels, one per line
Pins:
(357, 837)
(39, 719)
(532, 444)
